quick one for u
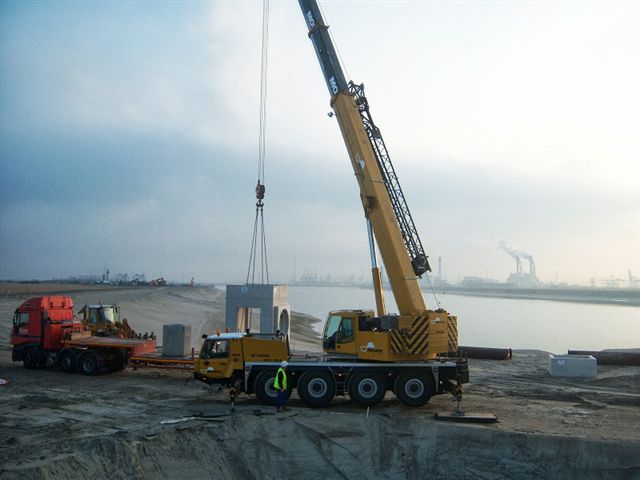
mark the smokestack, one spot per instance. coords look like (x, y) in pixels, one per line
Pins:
(532, 268)
(440, 268)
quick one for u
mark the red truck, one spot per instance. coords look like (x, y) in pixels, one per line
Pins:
(46, 333)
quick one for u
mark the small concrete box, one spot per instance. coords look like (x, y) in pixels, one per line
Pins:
(176, 340)
(585, 366)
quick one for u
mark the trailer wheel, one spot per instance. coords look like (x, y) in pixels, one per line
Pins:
(68, 361)
(89, 363)
(263, 387)
(31, 358)
(413, 389)
(317, 389)
(367, 388)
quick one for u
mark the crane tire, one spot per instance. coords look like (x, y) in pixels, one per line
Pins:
(68, 361)
(317, 389)
(263, 387)
(366, 388)
(89, 363)
(414, 389)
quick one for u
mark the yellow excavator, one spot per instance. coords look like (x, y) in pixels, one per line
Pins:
(104, 320)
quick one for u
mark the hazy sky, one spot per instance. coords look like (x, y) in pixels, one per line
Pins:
(129, 136)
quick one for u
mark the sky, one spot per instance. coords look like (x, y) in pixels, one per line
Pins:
(129, 137)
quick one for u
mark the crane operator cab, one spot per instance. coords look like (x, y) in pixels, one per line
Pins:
(361, 335)
(358, 333)
(340, 331)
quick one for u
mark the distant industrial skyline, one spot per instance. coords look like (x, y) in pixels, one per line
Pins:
(129, 137)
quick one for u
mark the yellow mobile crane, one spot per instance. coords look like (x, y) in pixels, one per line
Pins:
(366, 354)
(417, 333)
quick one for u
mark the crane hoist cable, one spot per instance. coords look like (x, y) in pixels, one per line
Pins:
(259, 235)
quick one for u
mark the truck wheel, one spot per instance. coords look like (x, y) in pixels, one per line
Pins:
(317, 389)
(366, 389)
(414, 389)
(263, 388)
(89, 363)
(118, 362)
(68, 361)
(31, 358)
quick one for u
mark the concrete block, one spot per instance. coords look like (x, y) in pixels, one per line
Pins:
(272, 301)
(584, 366)
(176, 340)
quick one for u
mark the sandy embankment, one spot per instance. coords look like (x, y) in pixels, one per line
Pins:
(54, 425)
(148, 308)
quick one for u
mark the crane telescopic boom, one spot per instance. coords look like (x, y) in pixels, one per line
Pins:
(384, 204)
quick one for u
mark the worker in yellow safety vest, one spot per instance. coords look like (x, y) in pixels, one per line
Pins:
(280, 384)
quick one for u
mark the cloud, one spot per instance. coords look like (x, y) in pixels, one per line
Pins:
(129, 137)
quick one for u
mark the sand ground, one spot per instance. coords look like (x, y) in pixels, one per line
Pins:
(156, 424)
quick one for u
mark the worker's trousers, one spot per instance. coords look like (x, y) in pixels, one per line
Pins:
(281, 399)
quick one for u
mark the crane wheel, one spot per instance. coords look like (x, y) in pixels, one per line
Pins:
(414, 389)
(263, 387)
(366, 388)
(317, 389)
(68, 361)
(89, 363)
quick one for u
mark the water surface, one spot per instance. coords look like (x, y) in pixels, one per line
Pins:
(498, 322)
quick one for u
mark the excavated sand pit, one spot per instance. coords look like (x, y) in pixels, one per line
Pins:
(151, 424)
(324, 445)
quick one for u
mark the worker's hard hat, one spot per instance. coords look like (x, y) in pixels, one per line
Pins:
(284, 364)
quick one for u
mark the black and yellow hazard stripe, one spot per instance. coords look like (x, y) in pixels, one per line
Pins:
(398, 341)
(452, 331)
(414, 340)
(419, 336)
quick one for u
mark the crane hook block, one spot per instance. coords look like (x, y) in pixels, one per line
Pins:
(260, 189)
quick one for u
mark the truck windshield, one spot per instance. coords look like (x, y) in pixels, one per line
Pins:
(215, 349)
(20, 319)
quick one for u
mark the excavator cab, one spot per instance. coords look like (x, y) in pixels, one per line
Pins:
(100, 316)
(104, 320)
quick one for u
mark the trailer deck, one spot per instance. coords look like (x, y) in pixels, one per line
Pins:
(136, 346)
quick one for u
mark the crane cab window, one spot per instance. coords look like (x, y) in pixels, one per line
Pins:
(215, 349)
(345, 332)
(331, 331)
(338, 330)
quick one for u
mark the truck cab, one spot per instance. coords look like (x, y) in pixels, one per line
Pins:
(39, 325)
(222, 356)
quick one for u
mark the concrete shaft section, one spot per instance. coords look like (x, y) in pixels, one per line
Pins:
(176, 340)
(272, 301)
(585, 366)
